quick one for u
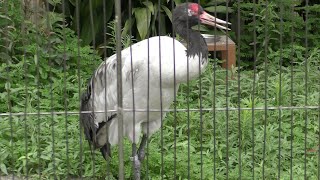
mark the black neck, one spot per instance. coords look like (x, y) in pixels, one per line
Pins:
(195, 42)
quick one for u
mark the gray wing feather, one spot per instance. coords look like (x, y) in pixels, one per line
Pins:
(99, 92)
(87, 119)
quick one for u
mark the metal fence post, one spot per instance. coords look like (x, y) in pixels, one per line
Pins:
(119, 86)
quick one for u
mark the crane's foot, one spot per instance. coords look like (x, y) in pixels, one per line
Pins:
(137, 167)
(139, 157)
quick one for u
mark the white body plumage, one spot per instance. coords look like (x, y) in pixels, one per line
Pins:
(106, 77)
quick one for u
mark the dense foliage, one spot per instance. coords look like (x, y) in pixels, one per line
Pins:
(44, 66)
(142, 18)
(277, 25)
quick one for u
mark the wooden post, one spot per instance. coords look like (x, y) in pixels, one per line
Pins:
(230, 56)
(226, 46)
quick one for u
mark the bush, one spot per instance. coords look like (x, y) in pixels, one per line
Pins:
(275, 21)
(48, 61)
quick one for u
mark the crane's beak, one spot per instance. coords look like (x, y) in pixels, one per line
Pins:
(206, 18)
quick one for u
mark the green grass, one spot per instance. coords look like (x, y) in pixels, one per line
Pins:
(31, 149)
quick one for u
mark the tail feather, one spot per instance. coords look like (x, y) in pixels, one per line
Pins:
(97, 135)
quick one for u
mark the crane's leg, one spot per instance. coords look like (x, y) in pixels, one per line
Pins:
(139, 156)
(137, 167)
(141, 153)
(136, 162)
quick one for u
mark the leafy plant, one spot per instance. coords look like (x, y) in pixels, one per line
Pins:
(275, 20)
(126, 40)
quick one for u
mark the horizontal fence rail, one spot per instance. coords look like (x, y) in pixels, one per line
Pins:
(167, 110)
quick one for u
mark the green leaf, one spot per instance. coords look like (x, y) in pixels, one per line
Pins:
(216, 2)
(3, 168)
(177, 2)
(73, 2)
(167, 11)
(218, 9)
(153, 23)
(127, 27)
(149, 5)
(54, 2)
(162, 25)
(4, 17)
(98, 22)
(143, 22)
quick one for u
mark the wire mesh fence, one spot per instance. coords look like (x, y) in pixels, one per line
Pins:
(125, 75)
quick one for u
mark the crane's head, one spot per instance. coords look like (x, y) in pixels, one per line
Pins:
(193, 14)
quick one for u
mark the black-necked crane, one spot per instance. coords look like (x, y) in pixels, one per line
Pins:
(138, 69)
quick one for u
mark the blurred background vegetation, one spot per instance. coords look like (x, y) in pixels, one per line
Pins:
(147, 18)
(49, 49)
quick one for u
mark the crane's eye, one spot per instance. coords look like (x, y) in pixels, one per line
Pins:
(190, 13)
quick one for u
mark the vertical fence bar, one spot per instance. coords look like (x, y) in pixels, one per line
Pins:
(8, 89)
(174, 99)
(37, 60)
(319, 128)
(306, 89)
(25, 69)
(148, 94)
(77, 12)
(160, 91)
(119, 87)
(25, 118)
(200, 103)
(188, 96)
(65, 87)
(266, 40)
(214, 99)
(280, 92)
(254, 87)
(93, 87)
(105, 77)
(291, 98)
(51, 94)
(227, 97)
(134, 145)
(5, 5)
(239, 89)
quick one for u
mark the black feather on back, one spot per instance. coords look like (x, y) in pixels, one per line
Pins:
(87, 119)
